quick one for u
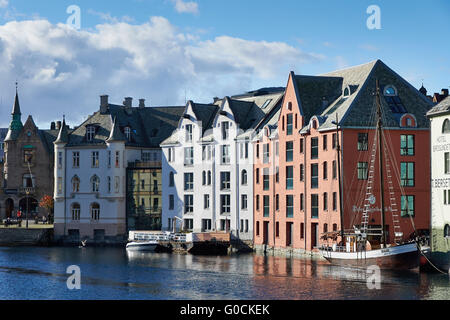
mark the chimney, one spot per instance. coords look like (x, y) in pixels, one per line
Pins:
(128, 102)
(58, 125)
(141, 103)
(104, 104)
(444, 92)
(52, 126)
(216, 99)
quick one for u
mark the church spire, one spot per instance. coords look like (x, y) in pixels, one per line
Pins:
(16, 122)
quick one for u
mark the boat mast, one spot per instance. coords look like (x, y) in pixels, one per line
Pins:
(380, 154)
(341, 206)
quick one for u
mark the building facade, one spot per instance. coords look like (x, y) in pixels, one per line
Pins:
(440, 184)
(300, 199)
(208, 164)
(97, 166)
(27, 169)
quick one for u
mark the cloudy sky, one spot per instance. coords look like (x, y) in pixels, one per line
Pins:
(167, 51)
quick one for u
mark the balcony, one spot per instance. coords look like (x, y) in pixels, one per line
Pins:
(27, 190)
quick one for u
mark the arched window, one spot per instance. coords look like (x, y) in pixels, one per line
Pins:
(209, 178)
(446, 126)
(75, 209)
(95, 183)
(346, 92)
(204, 178)
(95, 211)
(171, 179)
(447, 231)
(325, 227)
(244, 177)
(390, 91)
(289, 106)
(75, 184)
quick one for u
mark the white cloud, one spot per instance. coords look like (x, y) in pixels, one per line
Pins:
(63, 71)
(4, 3)
(186, 7)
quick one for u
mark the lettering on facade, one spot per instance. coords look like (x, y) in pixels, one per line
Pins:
(440, 183)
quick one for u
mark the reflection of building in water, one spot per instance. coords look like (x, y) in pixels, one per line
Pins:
(440, 186)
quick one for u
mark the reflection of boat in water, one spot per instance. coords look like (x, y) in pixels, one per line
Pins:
(142, 245)
(367, 245)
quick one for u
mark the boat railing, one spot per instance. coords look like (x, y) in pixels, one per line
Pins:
(334, 248)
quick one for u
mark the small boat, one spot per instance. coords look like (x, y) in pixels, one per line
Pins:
(367, 245)
(142, 246)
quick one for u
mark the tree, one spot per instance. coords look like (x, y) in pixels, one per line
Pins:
(48, 203)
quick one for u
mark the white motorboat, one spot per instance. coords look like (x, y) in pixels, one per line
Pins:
(142, 245)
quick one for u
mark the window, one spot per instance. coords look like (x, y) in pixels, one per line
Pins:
(266, 153)
(302, 172)
(206, 201)
(206, 153)
(363, 170)
(116, 184)
(277, 148)
(209, 177)
(447, 231)
(171, 202)
(289, 178)
(266, 179)
(225, 154)
(95, 183)
(325, 142)
(225, 204)
(277, 229)
(289, 206)
(189, 181)
(257, 175)
(446, 126)
(277, 174)
(407, 203)
(390, 91)
(188, 224)
(447, 162)
(117, 160)
(363, 141)
(246, 150)
(95, 161)
(59, 185)
(244, 202)
(314, 206)
(28, 156)
(325, 170)
(206, 224)
(395, 104)
(407, 174)
(334, 170)
(146, 156)
(302, 145)
(171, 153)
(334, 227)
(314, 176)
(302, 202)
(188, 156)
(314, 148)
(325, 227)
(75, 209)
(277, 202)
(127, 131)
(109, 184)
(407, 145)
(90, 133)
(204, 178)
(95, 211)
(225, 130)
(289, 151)
(325, 201)
(289, 124)
(188, 203)
(447, 197)
(244, 177)
(302, 230)
(257, 150)
(257, 202)
(225, 180)
(188, 136)
(257, 228)
(60, 159)
(76, 159)
(75, 184)
(266, 203)
(334, 141)
(171, 179)
(334, 201)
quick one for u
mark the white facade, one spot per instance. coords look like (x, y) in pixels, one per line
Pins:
(220, 199)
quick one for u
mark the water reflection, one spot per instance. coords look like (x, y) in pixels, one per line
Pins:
(40, 273)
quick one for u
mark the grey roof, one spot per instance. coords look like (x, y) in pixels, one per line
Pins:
(63, 134)
(356, 109)
(116, 135)
(440, 108)
(149, 126)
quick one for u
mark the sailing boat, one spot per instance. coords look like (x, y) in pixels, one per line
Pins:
(356, 250)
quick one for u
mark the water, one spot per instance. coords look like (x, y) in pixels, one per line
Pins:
(111, 273)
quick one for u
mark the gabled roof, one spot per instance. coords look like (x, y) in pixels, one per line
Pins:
(441, 108)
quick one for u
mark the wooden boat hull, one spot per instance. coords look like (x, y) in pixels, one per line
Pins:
(402, 257)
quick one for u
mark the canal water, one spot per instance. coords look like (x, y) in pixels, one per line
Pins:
(112, 273)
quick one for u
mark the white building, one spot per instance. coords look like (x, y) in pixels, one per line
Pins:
(93, 197)
(440, 183)
(208, 164)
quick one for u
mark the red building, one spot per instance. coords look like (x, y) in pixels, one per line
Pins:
(296, 183)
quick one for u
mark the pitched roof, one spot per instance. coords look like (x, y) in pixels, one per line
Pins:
(441, 108)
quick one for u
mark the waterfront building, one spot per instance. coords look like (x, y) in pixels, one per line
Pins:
(208, 164)
(440, 183)
(296, 177)
(108, 171)
(27, 168)
(3, 133)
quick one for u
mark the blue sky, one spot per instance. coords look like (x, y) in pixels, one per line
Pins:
(209, 48)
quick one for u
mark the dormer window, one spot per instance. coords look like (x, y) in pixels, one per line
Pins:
(189, 133)
(127, 132)
(390, 91)
(225, 130)
(346, 92)
(90, 133)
